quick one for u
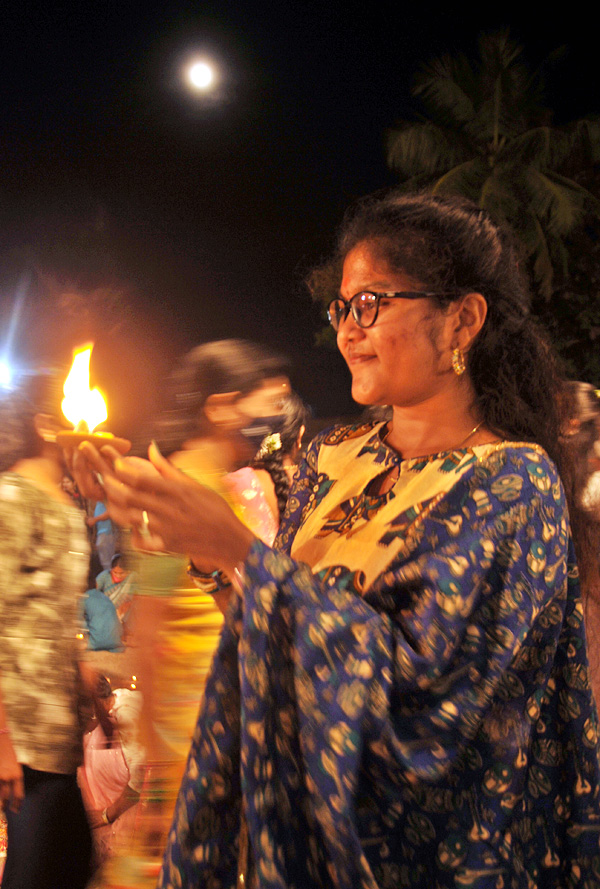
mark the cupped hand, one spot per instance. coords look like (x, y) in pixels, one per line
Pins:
(84, 464)
(168, 511)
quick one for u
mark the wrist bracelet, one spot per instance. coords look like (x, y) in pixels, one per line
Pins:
(208, 583)
(239, 578)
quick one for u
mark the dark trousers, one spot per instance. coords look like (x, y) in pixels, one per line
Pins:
(49, 840)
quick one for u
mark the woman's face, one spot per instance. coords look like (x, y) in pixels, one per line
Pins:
(265, 401)
(404, 358)
(251, 409)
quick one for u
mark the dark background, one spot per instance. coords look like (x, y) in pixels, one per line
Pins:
(200, 216)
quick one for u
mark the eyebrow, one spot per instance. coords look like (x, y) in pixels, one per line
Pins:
(373, 288)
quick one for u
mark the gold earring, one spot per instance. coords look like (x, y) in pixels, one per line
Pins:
(458, 362)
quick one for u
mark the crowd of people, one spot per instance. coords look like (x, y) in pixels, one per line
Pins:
(364, 665)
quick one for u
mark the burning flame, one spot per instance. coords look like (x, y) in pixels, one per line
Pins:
(80, 403)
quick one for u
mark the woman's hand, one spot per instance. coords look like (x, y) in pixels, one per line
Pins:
(12, 791)
(126, 800)
(86, 476)
(95, 819)
(169, 511)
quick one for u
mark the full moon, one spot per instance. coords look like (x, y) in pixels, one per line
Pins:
(200, 75)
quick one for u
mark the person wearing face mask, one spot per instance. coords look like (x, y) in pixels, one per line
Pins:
(262, 488)
(222, 400)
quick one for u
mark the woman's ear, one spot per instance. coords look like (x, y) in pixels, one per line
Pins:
(220, 410)
(471, 313)
(46, 427)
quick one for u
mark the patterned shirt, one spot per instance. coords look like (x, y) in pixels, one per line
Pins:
(413, 711)
(44, 560)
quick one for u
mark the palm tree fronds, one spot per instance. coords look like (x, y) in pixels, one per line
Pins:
(486, 134)
(543, 270)
(540, 146)
(465, 179)
(422, 148)
(499, 199)
(560, 208)
(442, 87)
(552, 147)
(591, 201)
(585, 140)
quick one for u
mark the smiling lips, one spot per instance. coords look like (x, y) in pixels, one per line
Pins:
(358, 358)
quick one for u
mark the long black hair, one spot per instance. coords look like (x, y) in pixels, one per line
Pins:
(451, 246)
(36, 392)
(274, 450)
(210, 369)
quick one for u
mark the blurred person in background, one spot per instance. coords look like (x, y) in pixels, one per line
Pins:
(104, 534)
(44, 557)
(582, 438)
(99, 622)
(222, 400)
(119, 585)
(268, 479)
(112, 773)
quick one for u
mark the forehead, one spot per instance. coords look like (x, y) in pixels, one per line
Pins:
(271, 390)
(365, 268)
(276, 387)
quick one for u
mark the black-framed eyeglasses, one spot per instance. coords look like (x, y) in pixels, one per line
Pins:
(365, 306)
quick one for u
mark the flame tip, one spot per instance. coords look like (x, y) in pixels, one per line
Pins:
(81, 402)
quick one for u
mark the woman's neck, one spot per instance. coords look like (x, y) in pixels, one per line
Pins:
(45, 472)
(419, 430)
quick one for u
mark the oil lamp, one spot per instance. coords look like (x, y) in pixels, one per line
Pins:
(85, 408)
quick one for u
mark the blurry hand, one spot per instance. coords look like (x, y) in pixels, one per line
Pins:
(168, 511)
(82, 470)
(95, 819)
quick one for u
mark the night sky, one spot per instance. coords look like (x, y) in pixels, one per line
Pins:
(206, 213)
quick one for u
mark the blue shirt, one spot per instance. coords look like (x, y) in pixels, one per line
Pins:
(105, 526)
(101, 621)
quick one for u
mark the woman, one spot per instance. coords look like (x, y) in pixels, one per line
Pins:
(582, 436)
(118, 583)
(44, 556)
(112, 773)
(582, 439)
(265, 484)
(221, 400)
(400, 695)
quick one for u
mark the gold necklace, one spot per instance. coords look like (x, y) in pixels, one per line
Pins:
(458, 446)
(472, 432)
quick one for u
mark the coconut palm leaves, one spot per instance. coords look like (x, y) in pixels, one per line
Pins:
(486, 135)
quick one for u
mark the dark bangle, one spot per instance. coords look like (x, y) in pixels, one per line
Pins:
(208, 583)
